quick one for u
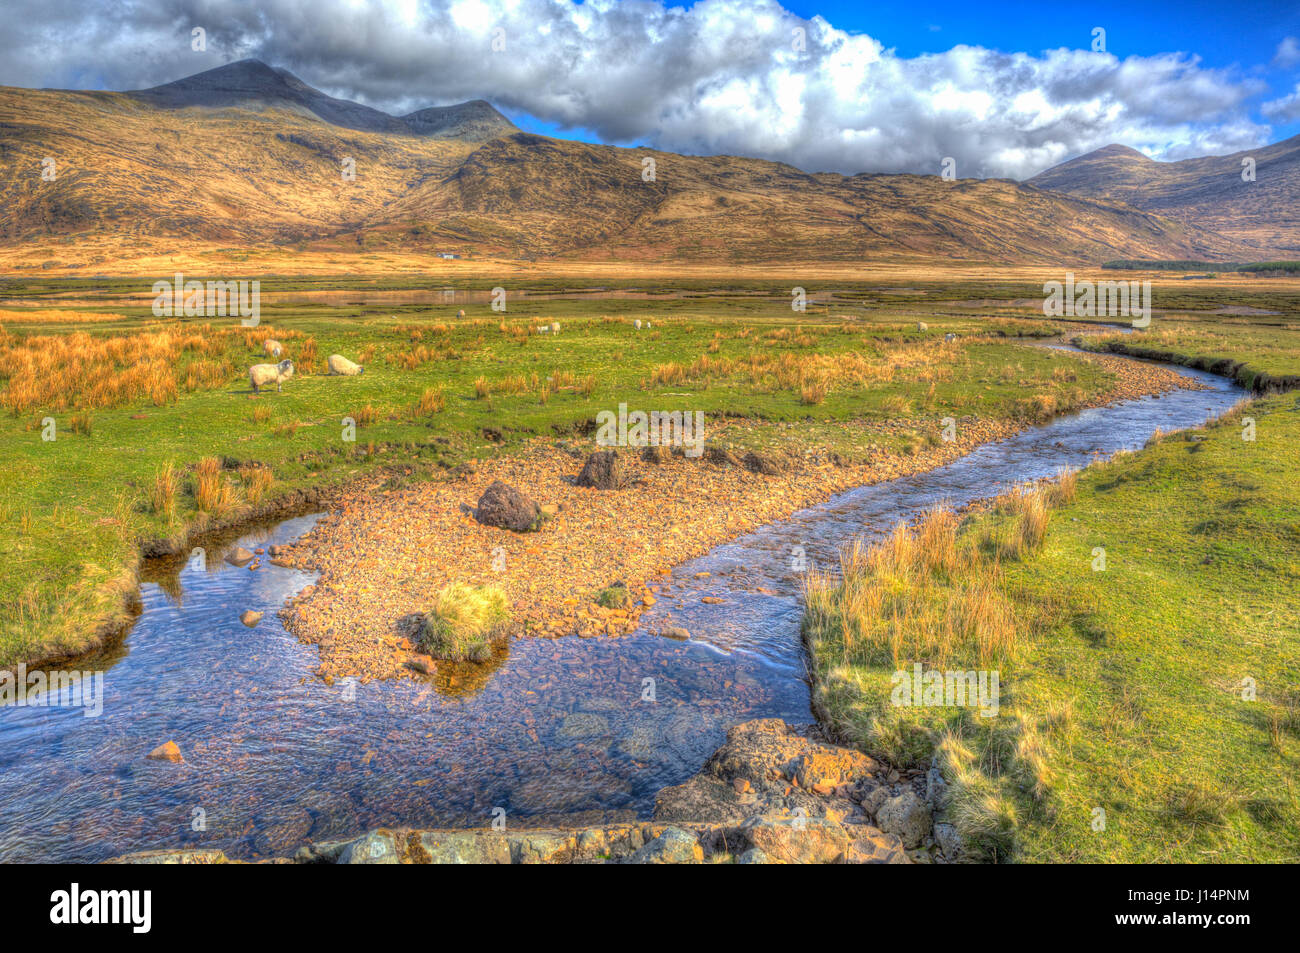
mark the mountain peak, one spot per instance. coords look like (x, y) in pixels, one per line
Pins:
(253, 84)
(1116, 151)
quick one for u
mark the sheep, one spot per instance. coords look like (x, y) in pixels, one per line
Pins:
(544, 329)
(555, 327)
(637, 324)
(339, 364)
(272, 347)
(949, 338)
(460, 313)
(922, 326)
(259, 375)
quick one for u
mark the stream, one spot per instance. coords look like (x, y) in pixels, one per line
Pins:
(580, 730)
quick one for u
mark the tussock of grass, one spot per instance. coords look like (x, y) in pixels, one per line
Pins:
(465, 622)
(162, 493)
(614, 597)
(214, 494)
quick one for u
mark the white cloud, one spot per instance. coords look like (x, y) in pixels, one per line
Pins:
(1286, 109)
(1288, 53)
(720, 77)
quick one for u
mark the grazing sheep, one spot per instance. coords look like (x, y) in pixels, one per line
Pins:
(637, 324)
(949, 338)
(555, 327)
(647, 325)
(922, 326)
(544, 329)
(460, 313)
(341, 365)
(259, 375)
(272, 347)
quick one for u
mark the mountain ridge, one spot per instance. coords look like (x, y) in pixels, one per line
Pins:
(250, 83)
(247, 153)
(1206, 192)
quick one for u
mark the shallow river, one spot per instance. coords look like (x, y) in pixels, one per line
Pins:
(274, 758)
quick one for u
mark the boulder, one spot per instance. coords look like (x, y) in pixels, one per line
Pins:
(797, 840)
(250, 618)
(907, 816)
(376, 847)
(186, 855)
(871, 846)
(674, 846)
(239, 556)
(603, 471)
(167, 751)
(503, 506)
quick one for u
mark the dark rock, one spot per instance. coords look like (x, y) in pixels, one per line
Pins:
(503, 506)
(603, 471)
(721, 456)
(762, 464)
(654, 455)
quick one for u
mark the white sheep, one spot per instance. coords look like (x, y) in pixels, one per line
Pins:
(259, 375)
(272, 347)
(922, 326)
(544, 329)
(339, 364)
(647, 325)
(637, 324)
(949, 338)
(460, 313)
(555, 327)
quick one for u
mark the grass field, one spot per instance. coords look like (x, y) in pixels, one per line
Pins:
(1150, 710)
(137, 403)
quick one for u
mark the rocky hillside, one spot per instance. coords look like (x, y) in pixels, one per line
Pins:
(1206, 193)
(247, 153)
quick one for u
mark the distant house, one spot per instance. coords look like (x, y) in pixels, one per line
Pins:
(447, 254)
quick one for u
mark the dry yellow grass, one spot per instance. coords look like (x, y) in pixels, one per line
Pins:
(56, 316)
(432, 401)
(84, 371)
(162, 493)
(915, 596)
(213, 493)
(255, 481)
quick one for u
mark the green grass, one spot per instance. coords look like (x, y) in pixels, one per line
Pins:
(465, 622)
(1127, 689)
(1261, 352)
(76, 509)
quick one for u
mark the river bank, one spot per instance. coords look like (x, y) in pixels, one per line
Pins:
(381, 558)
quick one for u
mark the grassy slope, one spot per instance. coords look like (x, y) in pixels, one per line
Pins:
(1202, 543)
(1126, 691)
(74, 509)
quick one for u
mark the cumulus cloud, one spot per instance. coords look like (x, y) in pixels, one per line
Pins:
(1286, 109)
(742, 77)
(1288, 53)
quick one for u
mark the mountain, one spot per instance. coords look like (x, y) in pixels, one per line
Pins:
(251, 84)
(1206, 193)
(250, 154)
